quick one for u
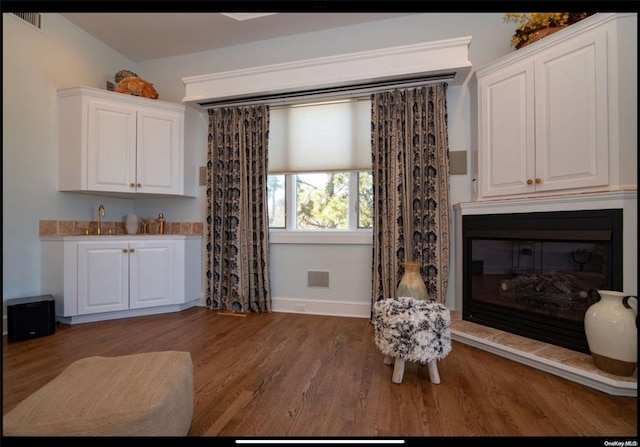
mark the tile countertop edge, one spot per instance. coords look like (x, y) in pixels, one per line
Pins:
(119, 237)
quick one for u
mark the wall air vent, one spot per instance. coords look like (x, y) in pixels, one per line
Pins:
(317, 279)
(32, 18)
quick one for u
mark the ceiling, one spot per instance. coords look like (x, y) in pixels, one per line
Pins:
(147, 36)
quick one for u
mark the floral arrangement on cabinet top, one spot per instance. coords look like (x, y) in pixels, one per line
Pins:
(534, 26)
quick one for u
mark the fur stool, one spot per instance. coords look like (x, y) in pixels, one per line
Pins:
(409, 329)
(149, 394)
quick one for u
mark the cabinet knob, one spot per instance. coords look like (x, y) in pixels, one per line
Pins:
(529, 181)
(538, 180)
(132, 250)
(124, 250)
(132, 185)
(139, 185)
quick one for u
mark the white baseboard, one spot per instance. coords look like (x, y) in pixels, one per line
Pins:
(355, 309)
(90, 318)
(288, 305)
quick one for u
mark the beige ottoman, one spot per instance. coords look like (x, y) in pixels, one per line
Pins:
(149, 394)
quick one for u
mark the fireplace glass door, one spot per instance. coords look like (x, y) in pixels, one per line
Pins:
(535, 274)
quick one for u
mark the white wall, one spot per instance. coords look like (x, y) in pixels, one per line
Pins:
(35, 64)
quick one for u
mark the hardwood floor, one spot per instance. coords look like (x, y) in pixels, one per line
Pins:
(292, 375)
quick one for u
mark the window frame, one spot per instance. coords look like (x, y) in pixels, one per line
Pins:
(292, 235)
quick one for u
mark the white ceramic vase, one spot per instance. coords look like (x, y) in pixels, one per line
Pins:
(131, 224)
(612, 334)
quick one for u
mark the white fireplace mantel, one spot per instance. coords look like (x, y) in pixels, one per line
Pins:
(564, 202)
(625, 200)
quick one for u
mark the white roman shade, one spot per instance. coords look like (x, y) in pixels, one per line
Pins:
(329, 136)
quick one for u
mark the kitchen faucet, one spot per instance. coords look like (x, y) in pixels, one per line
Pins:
(100, 213)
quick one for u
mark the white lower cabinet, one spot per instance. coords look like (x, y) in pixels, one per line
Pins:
(118, 276)
(94, 278)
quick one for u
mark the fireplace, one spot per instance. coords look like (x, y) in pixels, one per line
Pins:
(534, 273)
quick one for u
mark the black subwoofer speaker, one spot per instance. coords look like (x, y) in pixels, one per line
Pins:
(30, 317)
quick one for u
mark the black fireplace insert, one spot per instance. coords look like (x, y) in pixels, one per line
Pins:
(534, 274)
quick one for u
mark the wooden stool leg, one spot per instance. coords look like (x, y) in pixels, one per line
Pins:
(398, 370)
(388, 360)
(434, 375)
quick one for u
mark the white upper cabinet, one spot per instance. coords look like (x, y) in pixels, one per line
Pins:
(572, 117)
(507, 131)
(111, 148)
(158, 162)
(115, 143)
(548, 114)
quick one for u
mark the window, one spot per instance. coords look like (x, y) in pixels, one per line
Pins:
(323, 201)
(276, 201)
(320, 166)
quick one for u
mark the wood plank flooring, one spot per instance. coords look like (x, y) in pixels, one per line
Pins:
(293, 375)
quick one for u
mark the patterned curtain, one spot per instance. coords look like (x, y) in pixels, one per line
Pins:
(410, 153)
(237, 222)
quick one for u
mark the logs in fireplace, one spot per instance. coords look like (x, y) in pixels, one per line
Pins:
(533, 274)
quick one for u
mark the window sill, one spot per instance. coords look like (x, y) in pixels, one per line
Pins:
(345, 237)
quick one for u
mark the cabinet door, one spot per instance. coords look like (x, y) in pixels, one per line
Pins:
(506, 131)
(572, 114)
(152, 273)
(111, 147)
(103, 277)
(159, 152)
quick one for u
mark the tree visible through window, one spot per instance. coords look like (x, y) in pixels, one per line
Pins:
(323, 201)
(365, 199)
(276, 203)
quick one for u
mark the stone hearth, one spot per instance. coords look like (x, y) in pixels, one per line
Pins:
(571, 365)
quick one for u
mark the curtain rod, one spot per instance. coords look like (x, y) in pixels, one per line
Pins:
(328, 93)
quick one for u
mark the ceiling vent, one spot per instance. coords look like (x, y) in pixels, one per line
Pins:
(241, 16)
(32, 18)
